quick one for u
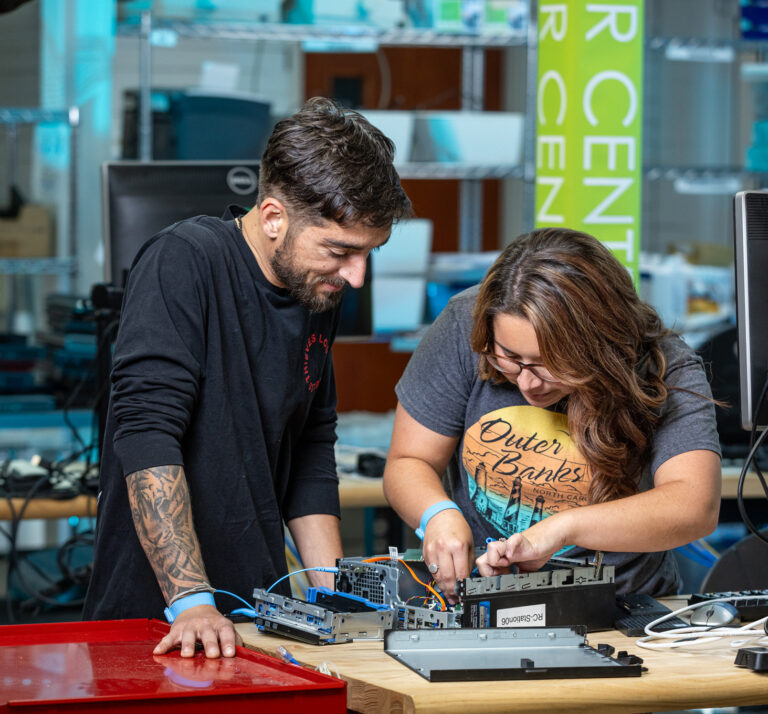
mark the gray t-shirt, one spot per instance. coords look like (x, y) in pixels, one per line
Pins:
(516, 464)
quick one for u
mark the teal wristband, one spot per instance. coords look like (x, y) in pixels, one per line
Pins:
(172, 612)
(433, 510)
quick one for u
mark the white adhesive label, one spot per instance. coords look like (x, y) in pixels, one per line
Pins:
(528, 616)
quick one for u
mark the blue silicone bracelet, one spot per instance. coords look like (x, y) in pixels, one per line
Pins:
(172, 612)
(433, 510)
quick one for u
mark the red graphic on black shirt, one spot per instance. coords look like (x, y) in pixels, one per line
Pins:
(313, 367)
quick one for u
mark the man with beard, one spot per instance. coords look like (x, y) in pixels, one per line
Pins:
(222, 413)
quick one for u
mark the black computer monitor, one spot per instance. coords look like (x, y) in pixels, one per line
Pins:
(142, 198)
(751, 262)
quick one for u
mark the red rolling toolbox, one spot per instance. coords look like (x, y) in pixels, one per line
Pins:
(108, 666)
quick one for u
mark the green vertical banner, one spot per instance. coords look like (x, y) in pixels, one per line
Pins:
(589, 121)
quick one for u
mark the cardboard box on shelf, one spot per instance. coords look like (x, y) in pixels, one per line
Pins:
(29, 235)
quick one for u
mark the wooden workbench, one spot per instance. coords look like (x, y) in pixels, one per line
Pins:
(361, 491)
(675, 679)
(752, 488)
(354, 492)
(49, 508)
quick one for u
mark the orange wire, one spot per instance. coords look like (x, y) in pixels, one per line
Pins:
(413, 575)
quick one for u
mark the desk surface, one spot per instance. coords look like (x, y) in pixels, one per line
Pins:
(48, 508)
(361, 491)
(675, 679)
(752, 487)
(354, 492)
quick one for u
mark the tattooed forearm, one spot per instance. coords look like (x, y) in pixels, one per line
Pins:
(162, 514)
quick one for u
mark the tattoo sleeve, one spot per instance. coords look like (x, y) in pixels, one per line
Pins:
(162, 514)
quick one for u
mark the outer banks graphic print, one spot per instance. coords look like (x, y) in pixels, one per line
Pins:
(522, 466)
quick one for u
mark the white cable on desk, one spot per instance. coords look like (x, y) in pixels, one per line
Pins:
(696, 635)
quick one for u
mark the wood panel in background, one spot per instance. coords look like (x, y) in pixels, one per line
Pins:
(419, 78)
(439, 201)
(366, 374)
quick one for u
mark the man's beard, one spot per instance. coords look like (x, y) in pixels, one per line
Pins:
(299, 284)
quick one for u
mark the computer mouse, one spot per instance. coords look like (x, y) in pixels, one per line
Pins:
(714, 614)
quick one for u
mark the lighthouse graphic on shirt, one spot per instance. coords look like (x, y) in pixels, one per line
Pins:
(521, 466)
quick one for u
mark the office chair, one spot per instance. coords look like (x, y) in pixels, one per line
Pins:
(744, 566)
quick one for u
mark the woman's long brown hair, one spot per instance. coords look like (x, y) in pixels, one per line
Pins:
(595, 334)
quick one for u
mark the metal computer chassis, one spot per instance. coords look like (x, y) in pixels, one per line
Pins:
(365, 602)
(578, 595)
(410, 617)
(521, 653)
(374, 581)
(379, 582)
(317, 623)
(561, 577)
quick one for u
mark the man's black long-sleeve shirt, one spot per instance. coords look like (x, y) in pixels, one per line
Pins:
(219, 371)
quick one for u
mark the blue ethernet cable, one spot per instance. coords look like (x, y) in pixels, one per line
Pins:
(303, 570)
(248, 610)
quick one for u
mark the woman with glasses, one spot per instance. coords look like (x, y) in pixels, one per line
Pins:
(549, 411)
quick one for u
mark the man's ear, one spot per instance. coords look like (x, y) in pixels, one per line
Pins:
(273, 217)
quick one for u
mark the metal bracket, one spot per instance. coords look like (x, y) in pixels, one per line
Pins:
(468, 655)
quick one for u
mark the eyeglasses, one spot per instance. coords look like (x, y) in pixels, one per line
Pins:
(513, 367)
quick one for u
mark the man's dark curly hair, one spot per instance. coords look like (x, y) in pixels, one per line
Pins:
(330, 163)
